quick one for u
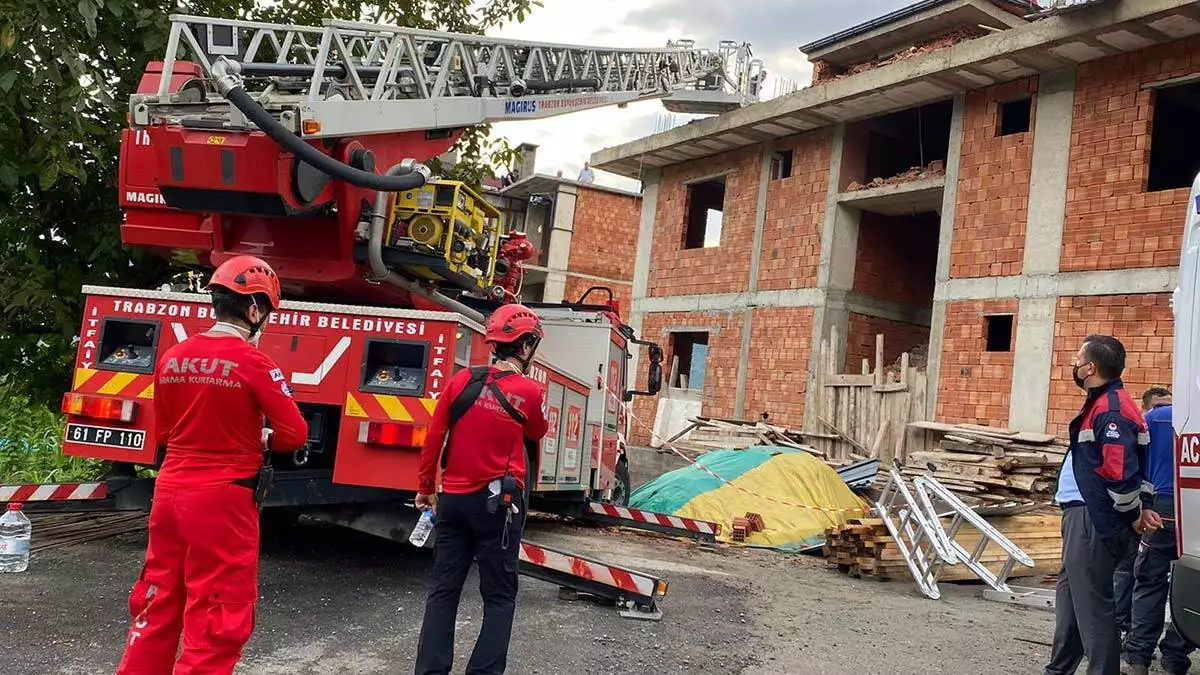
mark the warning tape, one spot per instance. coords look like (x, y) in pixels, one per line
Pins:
(668, 445)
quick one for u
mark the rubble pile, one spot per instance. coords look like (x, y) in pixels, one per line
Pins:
(824, 72)
(931, 170)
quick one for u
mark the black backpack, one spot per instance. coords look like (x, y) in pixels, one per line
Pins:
(470, 394)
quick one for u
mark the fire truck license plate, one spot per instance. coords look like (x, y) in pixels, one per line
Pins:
(130, 439)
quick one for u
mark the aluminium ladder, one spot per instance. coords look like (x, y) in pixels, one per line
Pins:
(389, 78)
(915, 523)
(938, 502)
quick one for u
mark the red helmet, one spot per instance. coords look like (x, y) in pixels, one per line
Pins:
(246, 275)
(512, 322)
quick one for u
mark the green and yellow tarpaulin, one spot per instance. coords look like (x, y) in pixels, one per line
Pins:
(797, 495)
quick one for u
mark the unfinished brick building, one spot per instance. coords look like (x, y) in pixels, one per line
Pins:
(585, 234)
(983, 179)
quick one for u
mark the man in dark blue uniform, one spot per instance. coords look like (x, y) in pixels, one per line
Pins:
(1105, 500)
(1156, 553)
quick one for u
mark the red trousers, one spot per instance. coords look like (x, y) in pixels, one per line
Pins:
(200, 582)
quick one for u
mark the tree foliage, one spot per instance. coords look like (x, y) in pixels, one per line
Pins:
(67, 68)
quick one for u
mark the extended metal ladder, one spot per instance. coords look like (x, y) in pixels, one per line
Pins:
(916, 526)
(460, 79)
(938, 502)
(921, 542)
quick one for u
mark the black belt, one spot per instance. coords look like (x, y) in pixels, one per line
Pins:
(247, 482)
(1070, 505)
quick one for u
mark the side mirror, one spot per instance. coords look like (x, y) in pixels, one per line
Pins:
(654, 380)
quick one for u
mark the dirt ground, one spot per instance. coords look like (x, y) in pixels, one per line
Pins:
(334, 601)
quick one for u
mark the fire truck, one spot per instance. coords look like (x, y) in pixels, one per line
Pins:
(305, 146)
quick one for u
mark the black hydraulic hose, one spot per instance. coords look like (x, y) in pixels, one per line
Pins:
(317, 159)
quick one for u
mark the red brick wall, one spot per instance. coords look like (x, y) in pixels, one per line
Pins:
(993, 187)
(777, 375)
(1142, 323)
(1111, 221)
(720, 377)
(795, 216)
(980, 396)
(722, 269)
(898, 337)
(897, 258)
(604, 241)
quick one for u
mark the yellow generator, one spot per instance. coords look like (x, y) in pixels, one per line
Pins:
(444, 232)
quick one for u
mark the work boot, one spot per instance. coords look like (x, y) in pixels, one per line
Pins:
(1135, 669)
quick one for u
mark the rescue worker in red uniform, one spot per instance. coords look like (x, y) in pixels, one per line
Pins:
(211, 392)
(499, 412)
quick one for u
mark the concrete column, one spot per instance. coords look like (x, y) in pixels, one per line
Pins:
(641, 265)
(839, 246)
(760, 218)
(558, 248)
(1030, 399)
(937, 323)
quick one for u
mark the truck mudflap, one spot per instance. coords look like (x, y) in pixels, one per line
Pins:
(638, 592)
(611, 514)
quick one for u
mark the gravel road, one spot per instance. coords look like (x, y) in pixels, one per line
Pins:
(334, 601)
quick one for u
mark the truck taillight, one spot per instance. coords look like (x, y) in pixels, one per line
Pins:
(392, 433)
(82, 405)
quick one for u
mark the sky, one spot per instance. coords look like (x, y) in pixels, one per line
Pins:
(774, 28)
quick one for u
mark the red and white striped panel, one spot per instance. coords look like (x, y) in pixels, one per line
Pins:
(46, 492)
(616, 577)
(637, 515)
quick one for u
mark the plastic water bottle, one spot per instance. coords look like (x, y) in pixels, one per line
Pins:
(15, 530)
(424, 526)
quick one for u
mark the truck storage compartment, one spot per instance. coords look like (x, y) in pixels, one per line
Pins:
(394, 367)
(128, 345)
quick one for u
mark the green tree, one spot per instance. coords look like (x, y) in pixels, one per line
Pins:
(67, 68)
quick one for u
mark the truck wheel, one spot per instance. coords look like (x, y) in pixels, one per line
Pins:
(621, 487)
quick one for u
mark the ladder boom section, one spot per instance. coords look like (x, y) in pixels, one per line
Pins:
(349, 76)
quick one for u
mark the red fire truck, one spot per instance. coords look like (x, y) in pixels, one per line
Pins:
(303, 146)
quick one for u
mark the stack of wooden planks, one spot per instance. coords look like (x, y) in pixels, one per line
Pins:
(705, 434)
(863, 548)
(990, 466)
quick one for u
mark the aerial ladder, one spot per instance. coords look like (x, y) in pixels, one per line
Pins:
(306, 146)
(203, 177)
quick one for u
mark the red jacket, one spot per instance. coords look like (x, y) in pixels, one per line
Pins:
(210, 395)
(486, 442)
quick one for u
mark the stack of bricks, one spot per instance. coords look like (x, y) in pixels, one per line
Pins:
(744, 526)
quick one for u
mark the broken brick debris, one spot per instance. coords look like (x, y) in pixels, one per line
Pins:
(931, 170)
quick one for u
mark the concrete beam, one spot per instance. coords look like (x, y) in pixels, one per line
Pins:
(1089, 283)
(729, 302)
(937, 318)
(1034, 37)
